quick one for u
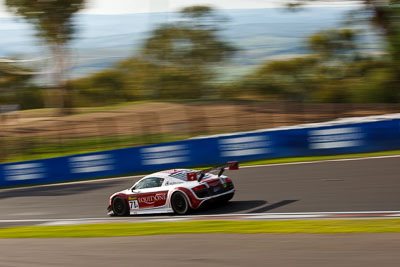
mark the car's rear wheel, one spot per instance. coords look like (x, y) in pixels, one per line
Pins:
(179, 203)
(119, 206)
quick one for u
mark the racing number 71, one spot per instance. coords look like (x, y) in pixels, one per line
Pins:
(133, 204)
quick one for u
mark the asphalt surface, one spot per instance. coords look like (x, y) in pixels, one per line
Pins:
(335, 186)
(368, 250)
(332, 186)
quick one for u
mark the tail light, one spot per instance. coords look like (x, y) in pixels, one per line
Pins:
(228, 180)
(201, 191)
(199, 187)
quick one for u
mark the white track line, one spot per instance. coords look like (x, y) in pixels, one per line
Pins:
(241, 167)
(283, 215)
(293, 213)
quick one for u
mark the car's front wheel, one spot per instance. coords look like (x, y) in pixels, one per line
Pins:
(179, 203)
(119, 206)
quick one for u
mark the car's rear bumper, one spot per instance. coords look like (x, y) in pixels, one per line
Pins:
(218, 198)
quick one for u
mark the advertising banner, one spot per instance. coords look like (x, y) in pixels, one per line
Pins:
(310, 140)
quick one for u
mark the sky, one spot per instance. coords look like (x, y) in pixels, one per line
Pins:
(146, 6)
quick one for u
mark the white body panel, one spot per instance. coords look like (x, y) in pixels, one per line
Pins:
(157, 199)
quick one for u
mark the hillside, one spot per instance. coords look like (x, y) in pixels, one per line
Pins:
(260, 34)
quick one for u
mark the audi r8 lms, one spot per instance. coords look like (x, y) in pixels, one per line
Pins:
(174, 191)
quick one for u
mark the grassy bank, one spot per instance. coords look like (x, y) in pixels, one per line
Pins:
(44, 148)
(198, 227)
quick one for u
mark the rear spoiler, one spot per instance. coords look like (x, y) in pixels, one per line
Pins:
(231, 165)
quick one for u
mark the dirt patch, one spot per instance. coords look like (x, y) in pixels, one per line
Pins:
(190, 118)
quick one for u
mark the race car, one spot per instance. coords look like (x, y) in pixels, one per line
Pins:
(174, 191)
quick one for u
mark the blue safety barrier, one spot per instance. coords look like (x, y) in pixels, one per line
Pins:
(319, 139)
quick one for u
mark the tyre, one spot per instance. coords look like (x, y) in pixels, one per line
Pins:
(119, 206)
(179, 203)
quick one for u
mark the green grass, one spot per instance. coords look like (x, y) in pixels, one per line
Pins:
(38, 148)
(200, 227)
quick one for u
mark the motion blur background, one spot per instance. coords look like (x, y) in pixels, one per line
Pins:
(82, 76)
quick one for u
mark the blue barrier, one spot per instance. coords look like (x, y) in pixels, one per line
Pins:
(318, 139)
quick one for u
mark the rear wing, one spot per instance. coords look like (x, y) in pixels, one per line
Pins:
(231, 165)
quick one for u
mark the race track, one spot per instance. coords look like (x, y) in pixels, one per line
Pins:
(223, 250)
(332, 186)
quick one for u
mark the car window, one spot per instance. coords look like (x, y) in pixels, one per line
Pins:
(182, 175)
(149, 183)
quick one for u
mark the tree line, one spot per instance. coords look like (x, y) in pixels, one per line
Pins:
(179, 61)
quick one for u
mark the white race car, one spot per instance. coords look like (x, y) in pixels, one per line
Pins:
(174, 191)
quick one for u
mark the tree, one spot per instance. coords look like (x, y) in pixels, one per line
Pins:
(13, 78)
(333, 42)
(385, 16)
(337, 71)
(16, 87)
(13, 75)
(54, 25)
(191, 46)
(290, 79)
(101, 88)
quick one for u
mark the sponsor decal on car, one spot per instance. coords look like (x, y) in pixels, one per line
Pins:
(148, 200)
(191, 176)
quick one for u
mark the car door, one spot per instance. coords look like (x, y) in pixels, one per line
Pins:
(147, 194)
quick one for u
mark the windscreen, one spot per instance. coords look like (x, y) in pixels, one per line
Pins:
(182, 175)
